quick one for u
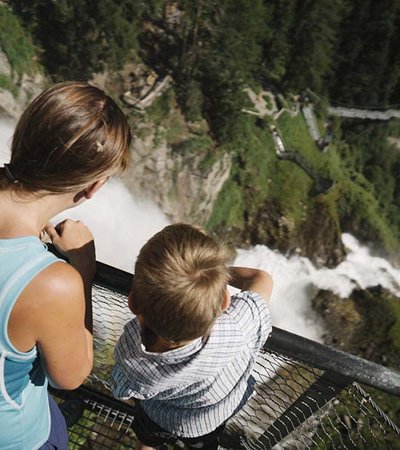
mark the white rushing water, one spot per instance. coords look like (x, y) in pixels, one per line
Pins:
(297, 280)
(121, 224)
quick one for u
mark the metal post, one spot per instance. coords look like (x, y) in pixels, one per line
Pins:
(314, 398)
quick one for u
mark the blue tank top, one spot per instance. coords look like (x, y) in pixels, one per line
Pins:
(24, 407)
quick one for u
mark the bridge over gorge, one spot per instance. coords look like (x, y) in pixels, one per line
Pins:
(307, 395)
(354, 113)
(358, 113)
(265, 104)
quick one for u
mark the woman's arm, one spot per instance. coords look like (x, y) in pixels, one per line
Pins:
(256, 280)
(54, 310)
(75, 241)
(58, 325)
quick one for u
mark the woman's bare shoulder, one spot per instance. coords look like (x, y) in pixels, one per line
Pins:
(55, 294)
(58, 281)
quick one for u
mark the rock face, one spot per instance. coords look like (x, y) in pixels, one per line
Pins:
(317, 237)
(367, 324)
(182, 184)
(27, 87)
(5, 67)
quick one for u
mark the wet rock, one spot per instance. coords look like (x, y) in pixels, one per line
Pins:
(181, 184)
(366, 324)
(317, 237)
(5, 67)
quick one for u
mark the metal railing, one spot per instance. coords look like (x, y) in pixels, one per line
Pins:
(307, 395)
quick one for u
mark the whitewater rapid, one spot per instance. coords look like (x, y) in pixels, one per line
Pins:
(297, 280)
(121, 224)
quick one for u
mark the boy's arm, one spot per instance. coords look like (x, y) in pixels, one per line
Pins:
(256, 280)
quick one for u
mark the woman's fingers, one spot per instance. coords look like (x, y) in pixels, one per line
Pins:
(51, 232)
(69, 235)
(74, 240)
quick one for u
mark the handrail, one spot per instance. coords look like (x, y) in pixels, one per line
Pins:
(289, 344)
(336, 361)
(113, 278)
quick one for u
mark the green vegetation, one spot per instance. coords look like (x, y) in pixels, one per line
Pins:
(228, 211)
(355, 421)
(17, 46)
(194, 144)
(293, 216)
(345, 51)
(366, 324)
(81, 37)
(394, 331)
(7, 84)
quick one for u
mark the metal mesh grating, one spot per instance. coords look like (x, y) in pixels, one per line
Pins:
(350, 420)
(105, 423)
(295, 405)
(110, 314)
(102, 427)
(279, 382)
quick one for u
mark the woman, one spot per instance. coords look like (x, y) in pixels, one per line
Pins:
(67, 143)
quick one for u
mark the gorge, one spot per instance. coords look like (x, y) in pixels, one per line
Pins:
(121, 223)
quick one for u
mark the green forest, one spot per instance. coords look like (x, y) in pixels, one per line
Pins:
(334, 52)
(344, 51)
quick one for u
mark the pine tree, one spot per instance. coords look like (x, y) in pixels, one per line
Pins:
(229, 58)
(280, 21)
(369, 43)
(79, 37)
(313, 44)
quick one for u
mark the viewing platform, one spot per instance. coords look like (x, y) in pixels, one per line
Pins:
(307, 395)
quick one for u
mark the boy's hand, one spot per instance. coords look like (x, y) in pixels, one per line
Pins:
(256, 280)
(74, 240)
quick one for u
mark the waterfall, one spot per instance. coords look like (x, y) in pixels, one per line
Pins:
(297, 280)
(122, 223)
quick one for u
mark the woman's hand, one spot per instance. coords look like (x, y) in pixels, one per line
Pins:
(74, 240)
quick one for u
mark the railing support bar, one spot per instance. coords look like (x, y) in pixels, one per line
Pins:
(326, 387)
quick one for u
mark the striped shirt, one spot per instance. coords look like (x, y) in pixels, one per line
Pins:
(191, 390)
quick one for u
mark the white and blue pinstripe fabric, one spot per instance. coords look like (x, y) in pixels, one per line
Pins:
(191, 390)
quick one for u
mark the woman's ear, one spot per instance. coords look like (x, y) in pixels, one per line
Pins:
(131, 303)
(226, 301)
(93, 188)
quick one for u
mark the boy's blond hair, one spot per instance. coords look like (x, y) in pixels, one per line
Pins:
(180, 281)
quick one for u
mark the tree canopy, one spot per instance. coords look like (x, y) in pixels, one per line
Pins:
(80, 37)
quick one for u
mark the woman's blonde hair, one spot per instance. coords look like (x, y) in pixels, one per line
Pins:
(70, 135)
(180, 282)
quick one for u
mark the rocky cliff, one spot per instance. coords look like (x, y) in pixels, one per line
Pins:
(366, 324)
(16, 90)
(184, 184)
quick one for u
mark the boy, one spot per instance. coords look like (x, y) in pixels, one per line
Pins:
(188, 354)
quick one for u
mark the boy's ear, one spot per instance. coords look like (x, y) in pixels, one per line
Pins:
(132, 307)
(226, 302)
(94, 187)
